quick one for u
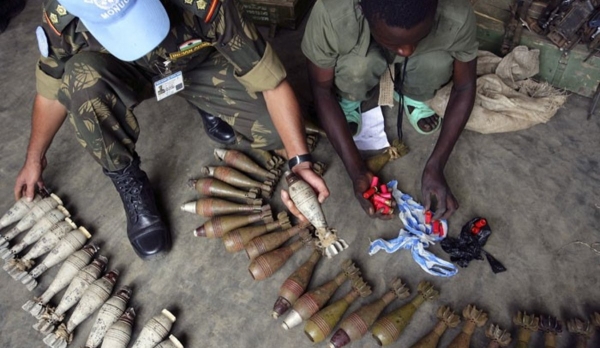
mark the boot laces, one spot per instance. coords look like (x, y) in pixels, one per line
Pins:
(131, 193)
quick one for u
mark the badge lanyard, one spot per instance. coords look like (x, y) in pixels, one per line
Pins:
(167, 82)
(398, 88)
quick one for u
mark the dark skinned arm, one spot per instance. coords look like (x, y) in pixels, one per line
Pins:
(460, 104)
(334, 123)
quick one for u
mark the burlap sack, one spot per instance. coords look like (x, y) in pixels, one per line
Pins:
(507, 100)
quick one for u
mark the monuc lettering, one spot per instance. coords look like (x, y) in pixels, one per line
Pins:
(111, 9)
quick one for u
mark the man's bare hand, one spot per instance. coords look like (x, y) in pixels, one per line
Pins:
(29, 177)
(305, 172)
(362, 184)
(434, 185)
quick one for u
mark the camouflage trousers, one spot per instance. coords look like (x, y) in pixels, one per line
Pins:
(100, 93)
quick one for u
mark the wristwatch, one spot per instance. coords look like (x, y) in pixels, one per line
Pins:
(294, 161)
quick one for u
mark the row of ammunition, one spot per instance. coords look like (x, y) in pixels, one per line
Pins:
(386, 330)
(311, 306)
(51, 232)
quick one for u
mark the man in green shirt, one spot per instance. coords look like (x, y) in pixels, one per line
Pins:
(350, 44)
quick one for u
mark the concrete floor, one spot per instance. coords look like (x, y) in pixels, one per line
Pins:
(538, 188)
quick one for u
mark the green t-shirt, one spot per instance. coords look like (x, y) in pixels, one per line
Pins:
(338, 27)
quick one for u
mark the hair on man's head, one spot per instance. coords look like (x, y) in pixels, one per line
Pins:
(399, 13)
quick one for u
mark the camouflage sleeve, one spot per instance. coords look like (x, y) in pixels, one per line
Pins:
(257, 66)
(46, 85)
(62, 37)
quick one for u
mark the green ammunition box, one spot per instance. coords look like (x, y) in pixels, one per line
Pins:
(277, 13)
(566, 69)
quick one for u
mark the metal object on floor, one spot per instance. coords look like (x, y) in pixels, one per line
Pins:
(594, 102)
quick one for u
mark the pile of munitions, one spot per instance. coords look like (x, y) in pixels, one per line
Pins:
(385, 330)
(233, 201)
(89, 288)
(263, 248)
(51, 232)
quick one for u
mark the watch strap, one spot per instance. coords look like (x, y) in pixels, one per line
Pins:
(294, 161)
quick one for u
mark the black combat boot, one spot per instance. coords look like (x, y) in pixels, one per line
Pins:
(217, 129)
(146, 231)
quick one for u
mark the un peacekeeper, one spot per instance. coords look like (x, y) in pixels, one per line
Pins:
(349, 44)
(101, 58)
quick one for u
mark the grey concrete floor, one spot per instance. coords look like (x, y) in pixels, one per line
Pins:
(539, 189)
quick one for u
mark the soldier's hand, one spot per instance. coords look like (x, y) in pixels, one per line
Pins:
(305, 172)
(29, 177)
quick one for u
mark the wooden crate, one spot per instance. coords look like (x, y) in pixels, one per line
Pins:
(277, 13)
(563, 69)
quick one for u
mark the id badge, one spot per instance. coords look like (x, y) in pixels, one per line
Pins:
(168, 85)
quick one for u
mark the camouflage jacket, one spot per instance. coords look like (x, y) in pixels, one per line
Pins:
(256, 65)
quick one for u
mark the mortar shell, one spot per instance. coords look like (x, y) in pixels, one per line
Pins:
(499, 338)
(305, 199)
(237, 179)
(211, 187)
(239, 160)
(38, 230)
(60, 338)
(310, 303)
(36, 213)
(65, 275)
(388, 328)
(220, 225)
(18, 210)
(320, 325)
(431, 339)
(210, 207)
(377, 162)
(266, 265)
(72, 242)
(119, 334)
(94, 297)
(295, 285)
(312, 128)
(266, 159)
(155, 330)
(17, 268)
(171, 342)
(473, 318)
(108, 314)
(265, 243)
(236, 240)
(73, 294)
(358, 323)
(549, 340)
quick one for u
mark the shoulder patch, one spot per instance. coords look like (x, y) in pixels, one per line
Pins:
(57, 17)
(204, 9)
(42, 40)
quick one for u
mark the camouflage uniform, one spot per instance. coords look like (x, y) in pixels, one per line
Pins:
(224, 76)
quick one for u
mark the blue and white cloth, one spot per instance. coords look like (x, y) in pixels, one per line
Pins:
(416, 235)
